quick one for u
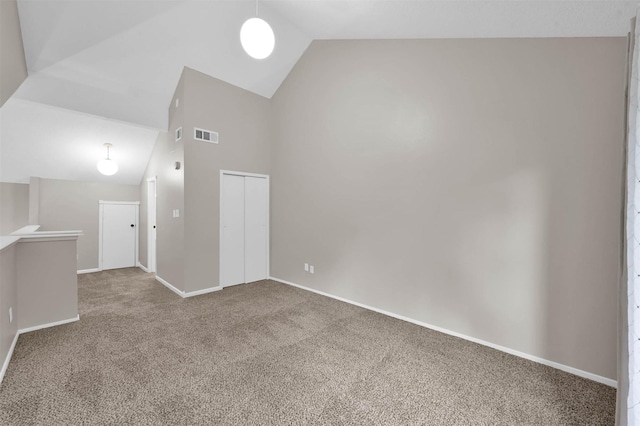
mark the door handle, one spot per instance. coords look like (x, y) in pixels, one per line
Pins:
(132, 225)
(154, 227)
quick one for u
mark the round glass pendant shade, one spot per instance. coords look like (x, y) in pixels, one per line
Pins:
(107, 167)
(257, 38)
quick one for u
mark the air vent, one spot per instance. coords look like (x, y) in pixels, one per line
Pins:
(178, 134)
(205, 135)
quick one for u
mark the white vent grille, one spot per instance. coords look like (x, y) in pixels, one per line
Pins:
(205, 135)
(178, 134)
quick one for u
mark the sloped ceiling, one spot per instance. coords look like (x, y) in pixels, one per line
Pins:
(105, 70)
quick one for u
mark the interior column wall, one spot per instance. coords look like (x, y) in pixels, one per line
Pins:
(170, 189)
(242, 120)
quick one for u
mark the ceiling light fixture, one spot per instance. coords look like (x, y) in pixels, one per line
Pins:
(257, 37)
(107, 166)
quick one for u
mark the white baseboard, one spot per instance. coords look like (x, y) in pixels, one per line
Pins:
(203, 291)
(168, 285)
(185, 294)
(141, 266)
(5, 365)
(88, 271)
(566, 368)
(51, 324)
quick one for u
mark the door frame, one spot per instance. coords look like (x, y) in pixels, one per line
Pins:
(221, 244)
(101, 203)
(152, 266)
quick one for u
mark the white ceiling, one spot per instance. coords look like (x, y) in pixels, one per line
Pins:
(75, 148)
(109, 67)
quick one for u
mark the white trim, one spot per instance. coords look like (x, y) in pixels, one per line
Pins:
(152, 261)
(26, 230)
(88, 271)
(137, 227)
(220, 229)
(7, 241)
(37, 237)
(185, 294)
(566, 368)
(141, 266)
(168, 285)
(203, 291)
(245, 174)
(51, 324)
(21, 331)
(118, 202)
(100, 209)
(5, 365)
(268, 226)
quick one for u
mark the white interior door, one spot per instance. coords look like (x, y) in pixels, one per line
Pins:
(151, 225)
(244, 219)
(119, 229)
(255, 227)
(232, 238)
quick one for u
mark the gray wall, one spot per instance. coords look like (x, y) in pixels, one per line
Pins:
(38, 280)
(47, 283)
(70, 205)
(13, 68)
(170, 196)
(14, 206)
(242, 120)
(470, 184)
(8, 298)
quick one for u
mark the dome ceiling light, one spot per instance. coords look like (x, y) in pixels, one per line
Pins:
(257, 37)
(107, 166)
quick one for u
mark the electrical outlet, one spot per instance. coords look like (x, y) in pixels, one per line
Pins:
(306, 267)
(311, 269)
(10, 314)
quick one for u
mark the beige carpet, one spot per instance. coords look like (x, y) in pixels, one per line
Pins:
(269, 354)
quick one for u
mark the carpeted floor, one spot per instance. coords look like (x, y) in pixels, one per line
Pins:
(269, 354)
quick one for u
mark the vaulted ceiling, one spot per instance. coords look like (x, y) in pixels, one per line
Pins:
(105, 70)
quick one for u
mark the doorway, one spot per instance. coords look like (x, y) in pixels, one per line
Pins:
(244, 227)
(118, 234)
(151, 224)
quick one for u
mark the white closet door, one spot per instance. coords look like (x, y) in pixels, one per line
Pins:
(255, 228)
(119, 228)
(232, 217)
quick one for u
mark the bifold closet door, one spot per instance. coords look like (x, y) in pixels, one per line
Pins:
(244, 239)
(255, 226)
(232, 216)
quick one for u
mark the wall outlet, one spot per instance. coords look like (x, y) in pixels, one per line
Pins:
(311, 269)
(10, 314)
(306, 267)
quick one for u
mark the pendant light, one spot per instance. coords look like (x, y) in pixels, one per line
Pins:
(107, 166)
(257, 37)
